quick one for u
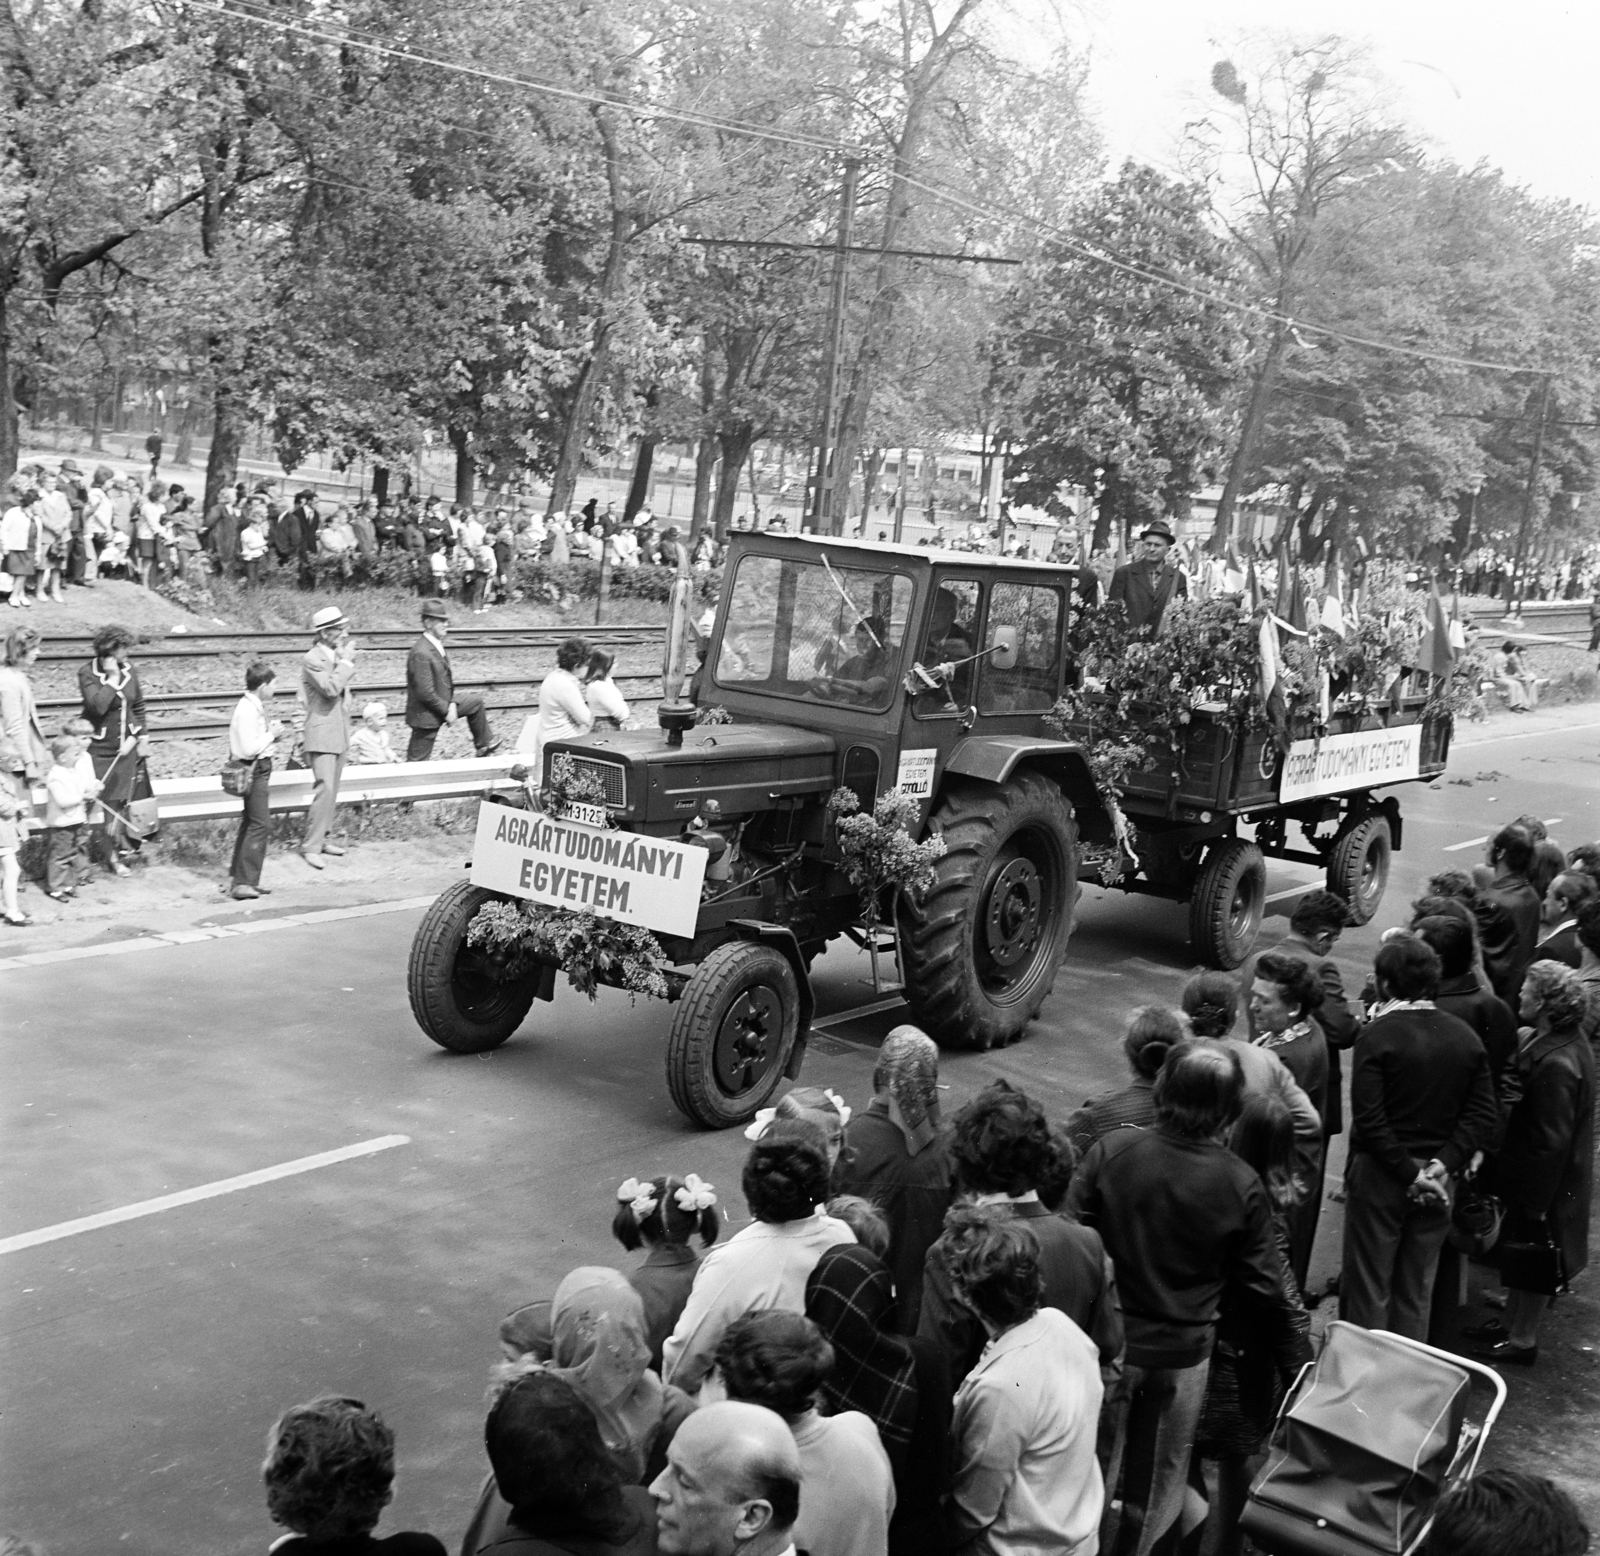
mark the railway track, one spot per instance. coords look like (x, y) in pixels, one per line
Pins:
(75, 647)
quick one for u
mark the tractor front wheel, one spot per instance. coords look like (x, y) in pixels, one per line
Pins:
(461, 995)
(980, 950)
(732, 1034)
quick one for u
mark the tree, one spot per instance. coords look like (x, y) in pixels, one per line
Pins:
(1121, 376)
(1296, 132)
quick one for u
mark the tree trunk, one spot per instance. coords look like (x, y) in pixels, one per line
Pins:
(755, 489)
(227, 437)
(575, 435)
(639, 488)
(1255, 416)
(184, 451)
(871, 468)
(10, 432)
(921, 83)
(705, 462)
(466, 467)
(96, 402)
(736, 446)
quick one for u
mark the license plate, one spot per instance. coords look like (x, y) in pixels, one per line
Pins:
(589, 815)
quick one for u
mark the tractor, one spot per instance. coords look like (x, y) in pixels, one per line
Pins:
(830, 665)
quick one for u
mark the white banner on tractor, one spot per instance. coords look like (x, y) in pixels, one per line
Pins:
(1362, 760)
(652, 881)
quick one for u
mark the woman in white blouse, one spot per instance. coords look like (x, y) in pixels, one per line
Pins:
(606, 703)
(563, 710)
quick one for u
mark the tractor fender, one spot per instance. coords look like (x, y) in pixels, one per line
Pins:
(781, 938)
(994, 758)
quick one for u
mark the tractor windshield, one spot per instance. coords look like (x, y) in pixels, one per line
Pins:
(826, 631)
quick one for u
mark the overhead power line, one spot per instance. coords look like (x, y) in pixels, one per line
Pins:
(856, 248)
(1205, 294)
(348, 40)
(984, 209)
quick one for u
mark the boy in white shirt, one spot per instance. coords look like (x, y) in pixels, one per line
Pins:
(253, 543)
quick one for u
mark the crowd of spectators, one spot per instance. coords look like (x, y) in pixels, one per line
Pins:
(998, 1334)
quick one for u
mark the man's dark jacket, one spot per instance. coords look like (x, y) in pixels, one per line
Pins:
(430, 687)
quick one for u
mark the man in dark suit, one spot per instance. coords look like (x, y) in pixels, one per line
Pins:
(431, 700)
(1148, 584)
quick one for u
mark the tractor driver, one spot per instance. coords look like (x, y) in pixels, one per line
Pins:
(865, 675)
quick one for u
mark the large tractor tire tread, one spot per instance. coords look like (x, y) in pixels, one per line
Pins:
(441, 1000)
(940, 935)
(709, 1004)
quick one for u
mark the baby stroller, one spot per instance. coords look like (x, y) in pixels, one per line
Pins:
(1372, 1434)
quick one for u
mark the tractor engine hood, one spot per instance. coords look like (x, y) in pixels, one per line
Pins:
(744, 767)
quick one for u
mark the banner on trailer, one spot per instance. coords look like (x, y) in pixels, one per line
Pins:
(652, 881)
(1362, 760)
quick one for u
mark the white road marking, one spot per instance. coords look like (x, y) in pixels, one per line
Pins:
(1522, 734)
(855, 1014)
(1291, 891)
(245, 1180)
(1478, 842)
(256, 926)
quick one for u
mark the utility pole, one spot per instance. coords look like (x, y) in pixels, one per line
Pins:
(1518, 584)
(827, 513)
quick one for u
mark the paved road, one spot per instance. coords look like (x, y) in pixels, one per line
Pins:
(142, 1362)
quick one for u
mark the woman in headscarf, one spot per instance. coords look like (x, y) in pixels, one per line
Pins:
(902, 1384)
(599, 1346)
(896, 1155)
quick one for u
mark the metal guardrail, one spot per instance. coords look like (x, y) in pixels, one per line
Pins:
(203, 799)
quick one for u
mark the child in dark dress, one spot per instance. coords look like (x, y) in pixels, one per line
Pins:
(329, 1475)
(661, 1215)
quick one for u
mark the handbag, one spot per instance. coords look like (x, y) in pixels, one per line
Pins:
(237, 775)
(1533, 1263)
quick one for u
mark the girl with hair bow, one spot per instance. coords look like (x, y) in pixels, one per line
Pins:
(818, 1106)
(661, 1215)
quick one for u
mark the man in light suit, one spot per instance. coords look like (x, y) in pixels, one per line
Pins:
(1148, 585)
(431, 700)
(325, 676)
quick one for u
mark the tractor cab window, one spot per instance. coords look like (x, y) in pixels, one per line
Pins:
(1021, 672)
(824, 631)
(944, 684)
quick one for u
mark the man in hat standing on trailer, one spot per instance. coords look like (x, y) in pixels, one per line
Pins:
(1146, 585)
(431, 700)
(325, 676)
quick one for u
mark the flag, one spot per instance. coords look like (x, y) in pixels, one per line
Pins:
(1233, 574)
(1291, 597)
(1271, 673)
(1435, 654)
(1333, 609)
(1252, 589)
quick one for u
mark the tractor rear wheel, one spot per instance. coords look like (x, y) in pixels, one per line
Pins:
(732, 1033)
(981, 949)
(1359, 868)
(1227, 904)
(460, 994)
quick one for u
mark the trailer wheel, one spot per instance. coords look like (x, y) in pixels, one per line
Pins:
(1359, 868)
(459, 994)
(981, 949)
(732, 1033)
(1228, 901)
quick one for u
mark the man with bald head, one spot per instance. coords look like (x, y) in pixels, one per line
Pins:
(732, 1484)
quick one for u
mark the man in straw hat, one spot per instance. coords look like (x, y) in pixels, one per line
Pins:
(325, 676)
